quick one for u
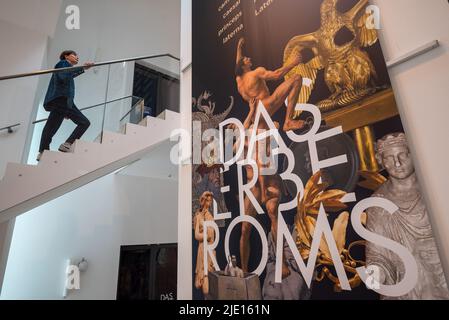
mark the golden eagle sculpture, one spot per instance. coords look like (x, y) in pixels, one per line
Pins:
(348, 70)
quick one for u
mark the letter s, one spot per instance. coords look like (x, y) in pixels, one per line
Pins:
(411, 268)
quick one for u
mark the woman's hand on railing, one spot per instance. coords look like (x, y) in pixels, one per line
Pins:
(88, 65)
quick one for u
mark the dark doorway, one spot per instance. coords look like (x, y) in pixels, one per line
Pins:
(148, 272)
(159, 91)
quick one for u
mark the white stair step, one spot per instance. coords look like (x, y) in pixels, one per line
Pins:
(136, 130)
(24, 181)
(143, 122)
(117, 145)
(53, 157)
(161, 115)
(77, 164)
(82, 147)
(172, 116)
(151, 122)
(168, 115)
(25, 187)
(92, 154)
(139, 136)
(113, 138)
(18, 171)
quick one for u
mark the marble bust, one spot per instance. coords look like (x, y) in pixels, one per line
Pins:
(408, 226)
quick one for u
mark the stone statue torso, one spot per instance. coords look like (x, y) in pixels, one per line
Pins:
(410, 227)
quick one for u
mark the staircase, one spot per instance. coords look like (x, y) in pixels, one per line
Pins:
(25, 187)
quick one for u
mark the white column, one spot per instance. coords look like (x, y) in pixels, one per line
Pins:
(185, 171)
(420, 87)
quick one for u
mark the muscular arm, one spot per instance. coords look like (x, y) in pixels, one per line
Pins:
(239, 54)
(279, 73)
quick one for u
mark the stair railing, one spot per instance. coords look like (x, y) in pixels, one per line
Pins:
(109, 87)
(97, 64)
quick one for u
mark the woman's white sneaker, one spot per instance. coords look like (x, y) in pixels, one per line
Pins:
(65, 147)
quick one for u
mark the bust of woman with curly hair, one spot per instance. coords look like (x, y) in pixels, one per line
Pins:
(409, 226)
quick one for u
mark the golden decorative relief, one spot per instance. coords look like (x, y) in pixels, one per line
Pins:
(373, 180)
(348, 70)
(315, 194)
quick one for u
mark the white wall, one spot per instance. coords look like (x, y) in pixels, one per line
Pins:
(40, 16)
(91, 222)
(24, 29)
(185, 171)
(113, 29)
(22, 50)
(155, 165)
(421, 88)
(17, 96)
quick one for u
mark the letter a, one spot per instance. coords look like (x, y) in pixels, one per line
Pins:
(73, 278)
(73, 20)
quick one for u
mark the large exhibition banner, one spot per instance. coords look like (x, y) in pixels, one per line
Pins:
(303, 182)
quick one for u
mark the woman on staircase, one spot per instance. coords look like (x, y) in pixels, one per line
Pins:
(59, 102)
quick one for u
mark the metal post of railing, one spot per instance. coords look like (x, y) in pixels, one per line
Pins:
(105, 104)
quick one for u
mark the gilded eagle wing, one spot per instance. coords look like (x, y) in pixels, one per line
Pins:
(307, 70)
(365, 36)
(360, 19)
(299, 43)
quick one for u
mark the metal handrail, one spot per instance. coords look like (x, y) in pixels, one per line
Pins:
(9, 128)
(41, 72)
(94, 106)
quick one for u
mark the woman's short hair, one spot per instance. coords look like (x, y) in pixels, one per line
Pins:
(66, 53)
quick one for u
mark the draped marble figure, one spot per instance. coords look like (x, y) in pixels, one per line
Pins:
(408, 226)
